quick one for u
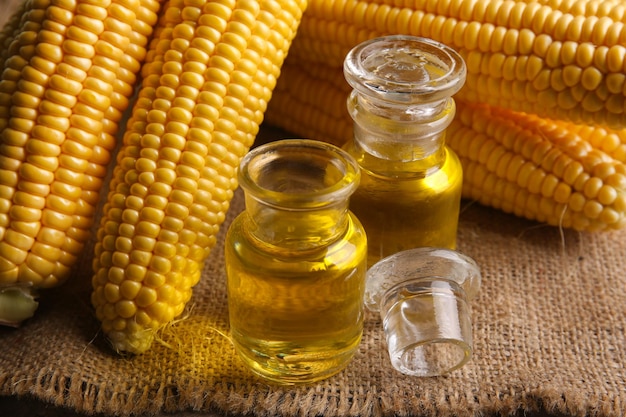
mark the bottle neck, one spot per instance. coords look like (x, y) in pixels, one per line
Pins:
(296, 228)
(400, 137)
(297, 192)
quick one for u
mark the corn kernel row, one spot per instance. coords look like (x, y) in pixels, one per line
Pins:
(563, 60)
(538, 169)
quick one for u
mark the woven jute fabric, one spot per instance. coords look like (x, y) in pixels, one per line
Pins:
(548, 328)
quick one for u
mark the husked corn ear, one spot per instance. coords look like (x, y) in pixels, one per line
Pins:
(563, 60)
(538, 169)
(207, 79)
(555, 172)
(69, 71)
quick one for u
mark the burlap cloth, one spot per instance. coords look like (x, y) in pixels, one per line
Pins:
(548, 327)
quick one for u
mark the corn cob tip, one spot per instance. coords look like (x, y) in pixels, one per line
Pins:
(130, 343)
(17, 304)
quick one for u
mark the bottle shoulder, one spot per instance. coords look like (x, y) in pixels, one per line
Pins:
(411, 166)
(439, 178)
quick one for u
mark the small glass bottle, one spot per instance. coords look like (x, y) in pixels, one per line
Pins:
(296, 262)
(401, 104)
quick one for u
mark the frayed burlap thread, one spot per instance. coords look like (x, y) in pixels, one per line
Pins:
(548, 333)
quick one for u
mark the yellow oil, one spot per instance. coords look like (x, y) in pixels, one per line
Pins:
(296, 315)
(412, 208)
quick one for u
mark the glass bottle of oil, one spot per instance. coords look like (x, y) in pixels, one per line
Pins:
(401, 104)
(296, 262)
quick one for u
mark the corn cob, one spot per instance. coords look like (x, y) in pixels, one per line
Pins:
(207, 80)
(554, 172)
(558, 59)
(68, 73)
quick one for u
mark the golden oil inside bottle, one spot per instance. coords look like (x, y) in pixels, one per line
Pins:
(412, 210)
(296, 263)
(296, 316)
(401, 104)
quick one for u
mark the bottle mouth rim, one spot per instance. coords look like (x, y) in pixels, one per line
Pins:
(404, 364)
(363, 69)
(270, 171)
